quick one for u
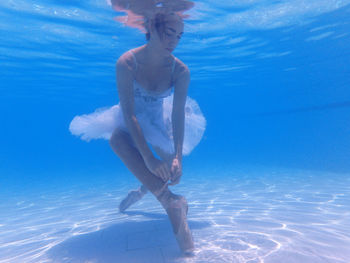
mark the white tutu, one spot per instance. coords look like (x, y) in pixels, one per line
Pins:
(156, 124)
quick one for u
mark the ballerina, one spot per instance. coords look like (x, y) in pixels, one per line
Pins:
(149, 116)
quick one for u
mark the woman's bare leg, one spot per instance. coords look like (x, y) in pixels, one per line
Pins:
(175, 205)
(137, 194)
(178, 213)
(122, 145)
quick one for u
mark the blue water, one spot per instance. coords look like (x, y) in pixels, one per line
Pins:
(268, 181)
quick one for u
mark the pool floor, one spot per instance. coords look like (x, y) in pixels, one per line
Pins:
(249, 216)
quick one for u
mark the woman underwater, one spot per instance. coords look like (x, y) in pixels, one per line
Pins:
(149, 116)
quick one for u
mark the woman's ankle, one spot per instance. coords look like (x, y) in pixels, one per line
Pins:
(163, 197)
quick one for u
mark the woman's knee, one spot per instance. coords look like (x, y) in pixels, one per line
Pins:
(116, 138)
(165, 156)
(120, 141)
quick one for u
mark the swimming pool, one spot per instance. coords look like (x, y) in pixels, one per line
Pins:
(269, 180)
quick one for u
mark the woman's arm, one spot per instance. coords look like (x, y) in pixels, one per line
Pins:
(178, 121)
(125, 81)
(178, 114)
(126, 96)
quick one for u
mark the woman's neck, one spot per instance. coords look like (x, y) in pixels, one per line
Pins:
(153, 56)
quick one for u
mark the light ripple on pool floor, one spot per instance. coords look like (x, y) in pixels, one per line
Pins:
(275, 217)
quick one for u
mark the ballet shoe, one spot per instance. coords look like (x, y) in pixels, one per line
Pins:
(177, 209)
(132, 197)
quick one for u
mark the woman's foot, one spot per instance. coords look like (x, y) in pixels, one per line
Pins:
(132, 197)
(176, 207)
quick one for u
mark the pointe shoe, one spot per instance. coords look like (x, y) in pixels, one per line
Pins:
(132, 197)
(177, 210)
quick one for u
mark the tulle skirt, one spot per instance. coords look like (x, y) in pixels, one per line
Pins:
(155, 122)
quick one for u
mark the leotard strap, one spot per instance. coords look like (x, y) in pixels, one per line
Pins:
(172, 71)
(133, 56)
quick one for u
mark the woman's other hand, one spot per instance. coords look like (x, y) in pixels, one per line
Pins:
(176, 171)
(159, 168)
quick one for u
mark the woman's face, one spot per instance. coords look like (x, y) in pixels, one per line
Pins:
(172, 34)
(168, 33)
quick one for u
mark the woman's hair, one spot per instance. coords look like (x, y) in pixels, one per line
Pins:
(141, 14)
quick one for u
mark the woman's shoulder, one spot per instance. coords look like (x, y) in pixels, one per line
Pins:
(180, 68)
(126, 60)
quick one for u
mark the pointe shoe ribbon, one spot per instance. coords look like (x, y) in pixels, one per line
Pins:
(178, 208)
(184, 236)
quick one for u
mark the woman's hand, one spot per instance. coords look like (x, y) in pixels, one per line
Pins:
(159, 168)
(176, 171)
